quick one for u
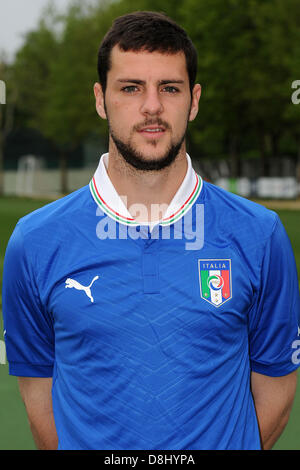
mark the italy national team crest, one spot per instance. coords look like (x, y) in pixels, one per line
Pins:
(215, 280)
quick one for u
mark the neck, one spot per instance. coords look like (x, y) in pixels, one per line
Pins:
(146, 194)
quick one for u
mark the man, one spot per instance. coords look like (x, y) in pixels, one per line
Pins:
(150, 309)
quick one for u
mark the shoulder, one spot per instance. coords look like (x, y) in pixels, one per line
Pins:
(46, 234)
(51, 228)
(239, 216)
(56, 214)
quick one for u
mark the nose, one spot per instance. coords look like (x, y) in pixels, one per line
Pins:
(152, 104)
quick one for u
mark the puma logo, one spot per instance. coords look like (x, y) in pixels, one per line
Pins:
(87, 289)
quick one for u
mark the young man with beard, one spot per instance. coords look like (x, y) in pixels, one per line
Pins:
(125, 335)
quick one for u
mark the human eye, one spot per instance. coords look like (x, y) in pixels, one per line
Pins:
(171, 89)
(129, 89)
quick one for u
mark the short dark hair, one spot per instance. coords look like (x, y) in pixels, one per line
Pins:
(150, 31)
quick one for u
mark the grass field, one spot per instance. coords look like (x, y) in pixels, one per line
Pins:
(14, 429)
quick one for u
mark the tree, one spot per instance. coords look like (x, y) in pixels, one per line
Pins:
(69, 116)
(246, 53)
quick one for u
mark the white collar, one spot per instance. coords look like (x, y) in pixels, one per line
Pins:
(107, 198)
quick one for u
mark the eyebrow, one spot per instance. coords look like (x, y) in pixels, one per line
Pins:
(142, 82)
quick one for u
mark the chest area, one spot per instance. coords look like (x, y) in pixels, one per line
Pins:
(145, 293)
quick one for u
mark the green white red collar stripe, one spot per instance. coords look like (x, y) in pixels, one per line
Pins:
(106, 208)
(111, 203)
(186, 205)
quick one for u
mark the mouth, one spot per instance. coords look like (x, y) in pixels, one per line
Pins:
(152, 132)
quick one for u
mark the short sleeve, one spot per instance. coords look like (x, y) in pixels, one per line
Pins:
(28, 329)
(274, 318)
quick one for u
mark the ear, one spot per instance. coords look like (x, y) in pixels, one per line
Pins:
(99, 96)
(195, 101)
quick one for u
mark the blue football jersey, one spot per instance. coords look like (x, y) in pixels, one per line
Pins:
(150, 332)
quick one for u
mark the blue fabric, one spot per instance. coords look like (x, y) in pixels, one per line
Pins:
(141, 359)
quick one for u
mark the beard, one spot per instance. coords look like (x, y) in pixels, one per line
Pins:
(136, 159)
